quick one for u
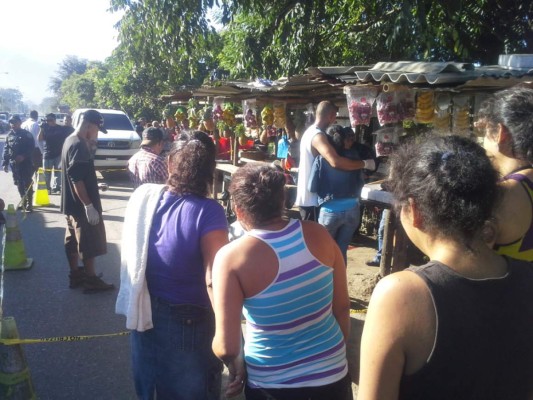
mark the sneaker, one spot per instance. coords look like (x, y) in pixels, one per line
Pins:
(94, 284)
(373, 263)
(77, 278)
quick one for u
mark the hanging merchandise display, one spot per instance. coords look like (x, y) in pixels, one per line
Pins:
(192, 113)
(207, 118)
(267, 116)
(217, 109)
(387, 140)
(387, 108)
(425, 109)
(461, 115)
(441, 121)
(228, 114)
(168, 116)
(360, 100)
(279, 114)
(249, 108)
(406, 103)
(181, 114)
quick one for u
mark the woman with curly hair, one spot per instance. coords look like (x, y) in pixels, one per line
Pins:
(506, 121)
(171, 235)
(459, 327)
(288, 279)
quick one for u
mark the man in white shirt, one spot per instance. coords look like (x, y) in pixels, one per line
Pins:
(32, 126)
(313, 143)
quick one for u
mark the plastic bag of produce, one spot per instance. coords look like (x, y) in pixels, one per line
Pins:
(360, 100)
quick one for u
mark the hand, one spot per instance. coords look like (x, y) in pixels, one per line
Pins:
(370, 164)
(236, 377)
(6, 168)
(92, 215)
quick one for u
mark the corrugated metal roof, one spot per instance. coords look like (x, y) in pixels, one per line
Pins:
(327, 82)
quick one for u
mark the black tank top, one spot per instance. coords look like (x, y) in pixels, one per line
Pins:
(484, 344)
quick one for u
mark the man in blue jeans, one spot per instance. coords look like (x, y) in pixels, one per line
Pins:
(376, 261)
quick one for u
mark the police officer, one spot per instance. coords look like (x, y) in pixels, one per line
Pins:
(18, 151)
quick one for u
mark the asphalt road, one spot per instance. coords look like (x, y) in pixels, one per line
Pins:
(43, 305)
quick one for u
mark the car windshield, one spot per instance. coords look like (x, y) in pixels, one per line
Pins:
(117, 122)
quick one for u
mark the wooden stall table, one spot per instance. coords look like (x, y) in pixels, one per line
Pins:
(395, 240)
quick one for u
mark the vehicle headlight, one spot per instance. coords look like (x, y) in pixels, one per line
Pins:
(136, 143)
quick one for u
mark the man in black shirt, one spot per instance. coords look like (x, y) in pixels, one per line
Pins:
(80, 202)
(18, 151)
(53, 137)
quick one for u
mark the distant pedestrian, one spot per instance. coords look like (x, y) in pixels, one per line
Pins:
(80, 202)
(32, 126)
(147, 165)
(18, 150)
(53, 137)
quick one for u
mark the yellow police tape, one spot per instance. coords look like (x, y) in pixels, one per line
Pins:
(11, 342)
(98, 169)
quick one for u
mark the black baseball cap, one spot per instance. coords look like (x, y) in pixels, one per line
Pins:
(152, 135)
(15, 118)
(94, 117)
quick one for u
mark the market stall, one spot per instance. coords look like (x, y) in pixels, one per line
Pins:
(384, 104)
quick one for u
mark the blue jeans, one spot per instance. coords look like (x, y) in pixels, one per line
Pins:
(341, 225)
(381, 232)
(174, 360)
(48, 164)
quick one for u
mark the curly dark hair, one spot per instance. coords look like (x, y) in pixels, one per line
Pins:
(513, 108)
(452, 182)
(258, 190)
(192, 164)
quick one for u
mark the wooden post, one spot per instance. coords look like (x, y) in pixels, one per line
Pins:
(388, 243)
(235, 149)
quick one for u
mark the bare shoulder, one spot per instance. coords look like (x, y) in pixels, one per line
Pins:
(403, 292)
(319, 242)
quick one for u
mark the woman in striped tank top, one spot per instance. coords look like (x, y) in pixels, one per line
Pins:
(288, 279)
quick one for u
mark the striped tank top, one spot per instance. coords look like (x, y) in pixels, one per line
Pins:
(292, 338)
(522, 248)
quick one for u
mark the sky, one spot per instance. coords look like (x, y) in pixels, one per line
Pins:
(36, 35)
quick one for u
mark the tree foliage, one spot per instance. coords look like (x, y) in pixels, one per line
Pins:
(285, 37)
(70, 65)
(166, 44)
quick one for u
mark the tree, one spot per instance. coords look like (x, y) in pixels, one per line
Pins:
(11, 100)
(285, 37)
(70, 65)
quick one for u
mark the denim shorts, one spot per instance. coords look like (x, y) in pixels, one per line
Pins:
(174, 359)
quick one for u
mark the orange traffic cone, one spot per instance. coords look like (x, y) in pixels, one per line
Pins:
(41, 191)
(14, 252)
(15, 380)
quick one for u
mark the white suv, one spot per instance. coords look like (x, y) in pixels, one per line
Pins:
(117, 145)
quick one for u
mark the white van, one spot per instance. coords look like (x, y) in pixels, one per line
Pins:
(117, 145)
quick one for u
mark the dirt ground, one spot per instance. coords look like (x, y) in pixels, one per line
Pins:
(361, 281)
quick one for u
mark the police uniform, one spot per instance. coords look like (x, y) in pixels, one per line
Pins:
(20, 142)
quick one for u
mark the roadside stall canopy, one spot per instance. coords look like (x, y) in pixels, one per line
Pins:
(327, 83)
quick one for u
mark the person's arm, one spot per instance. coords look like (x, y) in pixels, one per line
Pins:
(325, 149)
(40, 136)
(228, 300)
(81, 193)
(210, 244)
(341, 298)
(398, 335)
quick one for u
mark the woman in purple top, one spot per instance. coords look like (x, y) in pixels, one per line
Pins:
(173, 360)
